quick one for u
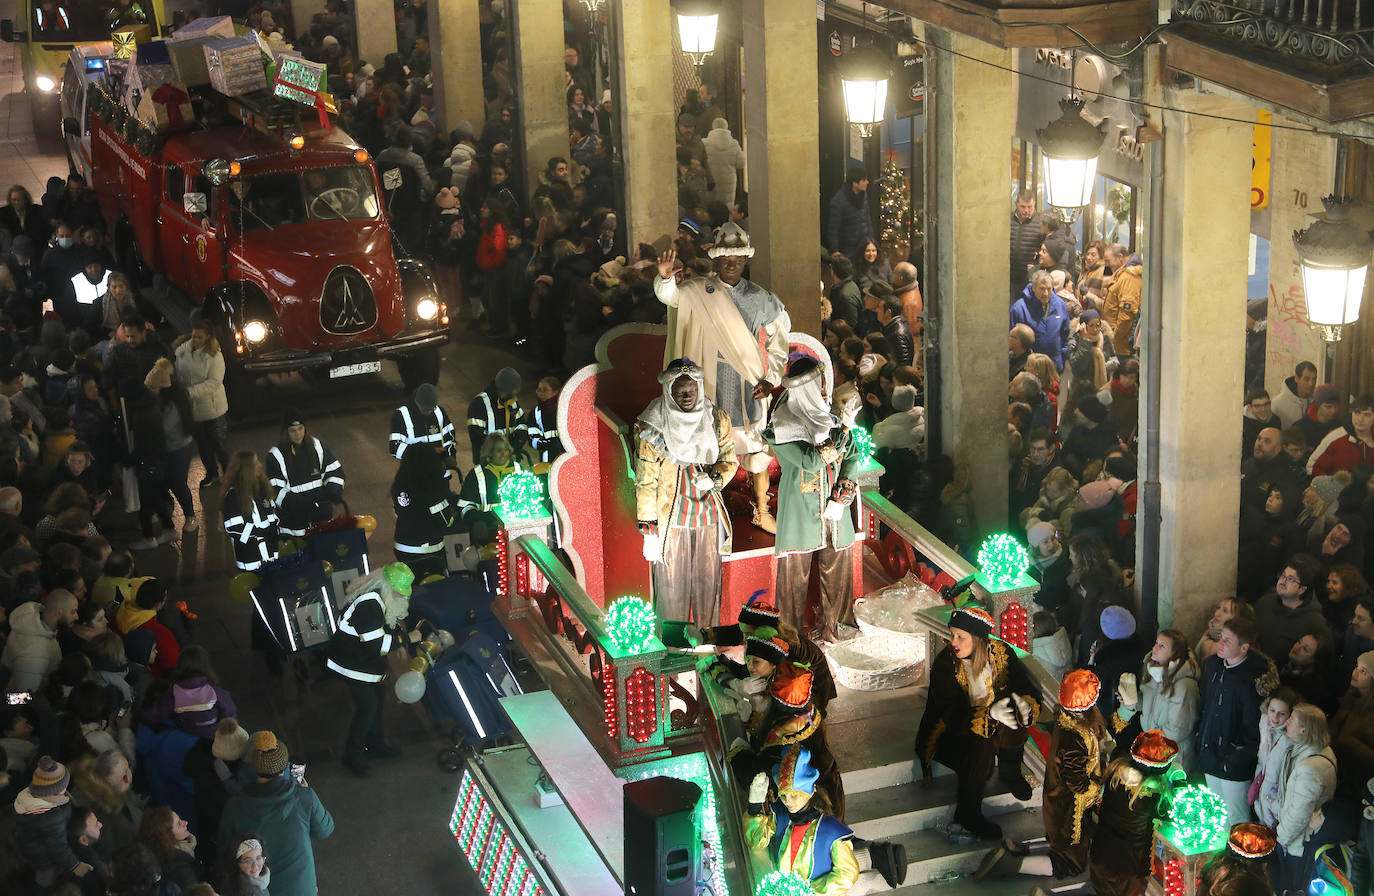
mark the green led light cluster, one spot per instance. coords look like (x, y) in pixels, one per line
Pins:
(863, 442)
(1002, 560)
(784, 883)
(1199, 817)
(522, 496)
(630, 623)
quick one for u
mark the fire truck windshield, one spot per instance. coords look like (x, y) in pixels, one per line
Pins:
(83, 20)
(269, 201)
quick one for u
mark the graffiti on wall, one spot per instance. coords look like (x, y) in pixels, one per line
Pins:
(1288, 324)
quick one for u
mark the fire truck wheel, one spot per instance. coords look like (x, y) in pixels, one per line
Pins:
(419, 368)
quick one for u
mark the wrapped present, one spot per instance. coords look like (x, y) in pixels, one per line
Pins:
(152, 52)
(235, 65)
(207, 26)
(188, 58)
(123, 44)
(166, 109)
(144, 79)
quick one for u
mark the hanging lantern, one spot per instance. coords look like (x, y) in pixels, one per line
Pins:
(1334, 254)
(1070, 144)
(593, 6)
(864, 73)
(696, 28)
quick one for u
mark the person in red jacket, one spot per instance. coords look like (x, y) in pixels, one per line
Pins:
(491, 255)
(1344, 447)
(141, 611)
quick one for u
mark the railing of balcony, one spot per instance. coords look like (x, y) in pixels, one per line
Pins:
(1330, 32)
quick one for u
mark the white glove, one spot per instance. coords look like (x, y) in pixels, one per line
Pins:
(1002, 711)
(1023, 709)
(748, 686)
(834, 510)
(745, 708)
(704, 483)
(653, 547)
(758, 788)
(1126, 689)
(736, 745)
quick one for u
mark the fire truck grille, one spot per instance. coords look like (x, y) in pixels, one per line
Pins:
(347, 304)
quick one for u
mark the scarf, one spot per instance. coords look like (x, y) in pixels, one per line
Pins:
(689, 437)
(260, 883)
(502, 472)
(707, 325)
(803, 415)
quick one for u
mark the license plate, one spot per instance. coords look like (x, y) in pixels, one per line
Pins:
(355, 369)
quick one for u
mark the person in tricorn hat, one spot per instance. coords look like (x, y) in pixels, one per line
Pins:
(1135, 793)
(1241, 868)
(306, 478)
(684, 454)
(738, 332)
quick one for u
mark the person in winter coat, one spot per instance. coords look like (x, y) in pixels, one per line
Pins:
(1273, 745)
(194, 703)
(243, 869)
(491, 254)
(1352, 737)
(496, 409)
(1051, 645)
(217, 769)
(1291, 404)
(1268, 535)
(286, 815)
(849, 222)
(32, 653)
(367, 631)
(1342, 448)
(1362, 859)
(421, 422)
(42, 810)
(1047, 316)
(724, 159)
(1134, 795)
(447, 230)
(1121, 304)
(146, 451)
(541, 423)
(684, 455)
(1080, 747)
(1096, 580)
(427, 511)
(1115, 658)
(1291, 610)
(1168, 696)
(135, 871)
(104, 784)
(94, 724)
(982, 702)
(177, 435)
(1234, 683)
(141, 612)
(1240, 869)
(250, 517)
(307, 478)
(1087, 354)
(1291, 798)
(169, 838)
(200, 370)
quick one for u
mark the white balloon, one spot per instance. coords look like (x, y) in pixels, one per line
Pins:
(410, 687)
(472, 557)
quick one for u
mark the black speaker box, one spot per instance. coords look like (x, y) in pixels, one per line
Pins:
(662, 850)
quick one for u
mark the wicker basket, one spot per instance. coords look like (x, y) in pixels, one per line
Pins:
(878, 662)
(899, 604)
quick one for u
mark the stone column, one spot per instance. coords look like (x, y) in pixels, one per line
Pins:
(456, 59)
(1303, 168)
(537, 26)
(975, 108)
(644, 34)
(375, 21)
(782, 153)
(1202, 249)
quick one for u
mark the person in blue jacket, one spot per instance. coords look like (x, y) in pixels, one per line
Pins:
(1046, 314)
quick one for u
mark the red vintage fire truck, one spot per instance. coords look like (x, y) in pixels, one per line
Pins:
(277, 233)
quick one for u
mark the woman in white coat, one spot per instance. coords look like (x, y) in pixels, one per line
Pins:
(1166, 696)
(1292, 801)
(200, 369)
(725, 157)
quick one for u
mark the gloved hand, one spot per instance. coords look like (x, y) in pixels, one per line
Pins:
(745, 708)
(704, 482)
(748, 686)
(693, 634)
(758, 788)
(1002, 711)
(834, 510)
(653, 547)
(1023, 710)
(1126, 689)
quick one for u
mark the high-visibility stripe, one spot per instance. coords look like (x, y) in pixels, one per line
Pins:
(349, 673)
(419, 549)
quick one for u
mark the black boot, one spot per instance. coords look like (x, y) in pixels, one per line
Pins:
(889, 860)
(1009, 770)
(358, 765)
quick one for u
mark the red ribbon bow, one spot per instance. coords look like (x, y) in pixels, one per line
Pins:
(172, 97)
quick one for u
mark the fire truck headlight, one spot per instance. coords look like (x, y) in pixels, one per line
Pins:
(427, 309)
(255, 331)
(45, 84)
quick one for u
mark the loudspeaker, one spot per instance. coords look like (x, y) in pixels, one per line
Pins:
(662, 849)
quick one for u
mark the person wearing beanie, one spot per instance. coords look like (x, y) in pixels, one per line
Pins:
(791, 718)
(285, 814)
(422, 422)
(1115, 657)
(1089, 353)
(802, 835)
(905, 427)
(684, 454)
(1080, 748)
(755, 614)
(981, 706)
(819, 460)
(496, 409)
(1093, 434)
(1323, 417)
(307, 479)
(369, 628)
(42, 811)
(217, 769)
(743, 326)
(426, 511)
(141, 612)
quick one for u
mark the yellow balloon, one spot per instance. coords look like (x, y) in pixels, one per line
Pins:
(287, 546)
(328, 568)
(367, 523)
(241, 584)
(432, 578)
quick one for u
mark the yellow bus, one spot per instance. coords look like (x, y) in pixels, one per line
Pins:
(46, 31)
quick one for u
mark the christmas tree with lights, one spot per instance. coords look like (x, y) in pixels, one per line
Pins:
(894, 207)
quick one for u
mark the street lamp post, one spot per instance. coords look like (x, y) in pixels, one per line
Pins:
(1334, 255)
(864, 73)
(1070, 145)
(696, 28)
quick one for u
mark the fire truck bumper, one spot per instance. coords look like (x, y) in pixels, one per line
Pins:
(284, 360)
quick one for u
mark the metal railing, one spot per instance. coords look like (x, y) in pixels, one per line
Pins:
(1331, 32)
